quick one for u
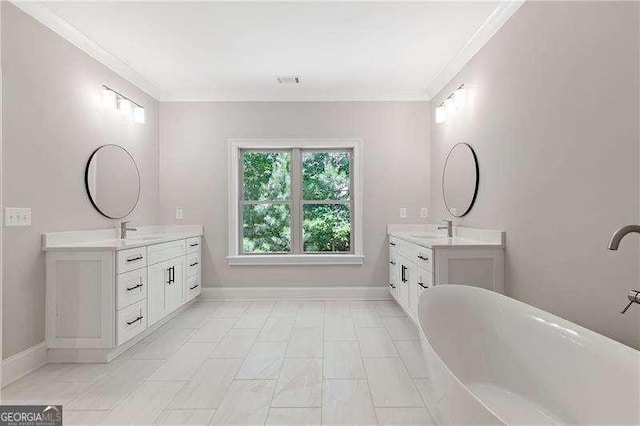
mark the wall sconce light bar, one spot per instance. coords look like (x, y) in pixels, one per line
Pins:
(128, 108)
(451, 104)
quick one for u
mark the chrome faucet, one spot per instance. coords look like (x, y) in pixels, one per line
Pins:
(634, 295)
(124, 228)
(448, 225)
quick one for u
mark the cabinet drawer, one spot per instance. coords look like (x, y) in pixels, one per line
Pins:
(165, 251)
(131, 321)
(193, 244)
(193, 287)
(131, 259)
(193, 264)
(131, 287)
(393, 243)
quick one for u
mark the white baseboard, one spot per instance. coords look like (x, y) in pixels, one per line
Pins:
(295, 293)
(23, 363)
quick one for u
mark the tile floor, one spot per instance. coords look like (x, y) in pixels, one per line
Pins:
(275, 363)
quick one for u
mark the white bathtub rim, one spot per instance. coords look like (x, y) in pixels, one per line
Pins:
(455, 377)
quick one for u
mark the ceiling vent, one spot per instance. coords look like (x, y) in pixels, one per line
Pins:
(289, 79)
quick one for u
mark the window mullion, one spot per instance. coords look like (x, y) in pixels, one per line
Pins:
(296, 207)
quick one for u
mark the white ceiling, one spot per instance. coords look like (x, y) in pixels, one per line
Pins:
(234, 50)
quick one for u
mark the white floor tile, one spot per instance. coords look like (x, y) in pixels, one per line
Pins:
(342, 360)
(299, 384)
(309, 318)
(105, 394)
(213, 330)
(208, 385)
(411, 353)
(144, 404)
(236, 344)
(390, 383)
(425, 388)
(366, 318)
(375, 342)
(183, 363)
(403, 416)
(246, 402)
(337, 307)
(347, 402)
(185, 417)
(90, 373)
(339, 328)
(305, 342)
(82, 417)
(285, 309)
(276, 330)
(389, 308)
(230, 310)
(263, 362)
(45, 393)
(162, 347)
(252, 320)
(294, 416)
(401, 328)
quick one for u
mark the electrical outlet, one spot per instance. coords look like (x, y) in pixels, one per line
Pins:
(17, 216)
(403, 212)
(424, 212)
(179, 214)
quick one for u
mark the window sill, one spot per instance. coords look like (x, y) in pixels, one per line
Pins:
(289, 259)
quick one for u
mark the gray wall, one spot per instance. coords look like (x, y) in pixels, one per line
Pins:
(193, 175)
(53, 120)
(553, 117)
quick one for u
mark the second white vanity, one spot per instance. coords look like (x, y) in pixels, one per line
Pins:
(104, 293)
(421, 256)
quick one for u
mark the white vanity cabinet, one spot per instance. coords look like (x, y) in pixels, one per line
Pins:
(103, 298)
(419, 261)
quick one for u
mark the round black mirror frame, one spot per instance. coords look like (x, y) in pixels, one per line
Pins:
(475, 190)
(86, 181)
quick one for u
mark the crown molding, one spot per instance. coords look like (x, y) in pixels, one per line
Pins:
(489, 27)
(47, 17)
(42, 13)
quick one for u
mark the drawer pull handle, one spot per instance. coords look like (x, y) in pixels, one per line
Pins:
(422, 257)
(194, 287)
(194, 244)
(134, 287)
(135, 320)
(392, 286)
(392, 244)
(133, 259)
(422, 285)
(193, 264)
(392, 262)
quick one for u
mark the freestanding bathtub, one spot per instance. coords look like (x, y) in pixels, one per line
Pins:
(494, 360)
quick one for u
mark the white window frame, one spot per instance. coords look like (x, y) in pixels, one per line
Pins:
(235, 148)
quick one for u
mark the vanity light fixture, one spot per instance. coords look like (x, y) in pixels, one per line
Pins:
(128, 108)
(451, 105)
(441, 113)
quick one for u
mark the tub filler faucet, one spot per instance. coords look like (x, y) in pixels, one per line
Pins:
(634, 295)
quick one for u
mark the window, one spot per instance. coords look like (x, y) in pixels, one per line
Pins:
(294, 202)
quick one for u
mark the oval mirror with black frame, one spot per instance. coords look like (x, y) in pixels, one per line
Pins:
(460, 179)
(112, 180)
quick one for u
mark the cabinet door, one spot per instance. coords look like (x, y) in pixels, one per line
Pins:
(158, 280)
(174, 290)
(412, 287)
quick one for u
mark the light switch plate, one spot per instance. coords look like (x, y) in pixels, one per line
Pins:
(403, 212)
(17, 216)
(179, 213)
(424, 212)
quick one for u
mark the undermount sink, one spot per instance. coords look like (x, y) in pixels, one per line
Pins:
(144, 238)
(429, 237)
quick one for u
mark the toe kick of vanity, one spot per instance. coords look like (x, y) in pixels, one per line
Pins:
(102, 301)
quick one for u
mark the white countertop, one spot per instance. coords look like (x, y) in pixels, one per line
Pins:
(429, 236)
(107, 239)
